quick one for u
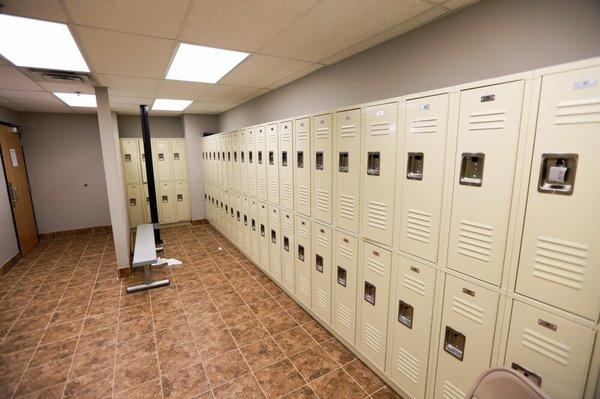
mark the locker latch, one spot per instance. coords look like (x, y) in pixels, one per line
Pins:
(271, 158)
(180, 197)
(319, 263)
(127, 157)
(414, 169)
(454, 343)
(242, 156)
(405, 314)
(319, 160)
(284, 158)
(286, 244)
(341, 276)
(161, 156)
(229, 156)
(369, 294)
(250, 157)
(245, 220)
(300, 160)
(253, 225)
(165, 199)
(373, 163)
(536, 379)
(262, 230)
(132, 202)
(260, 157)
(235, 156)
(301, 252)
(273, 237)
(237, 214)
(471, 169)
(557, 173)
(176, 156)
(343, 162)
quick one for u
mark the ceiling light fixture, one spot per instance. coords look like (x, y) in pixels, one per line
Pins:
(164, 104)
(77, 99)
(39, 44)
(203, 64)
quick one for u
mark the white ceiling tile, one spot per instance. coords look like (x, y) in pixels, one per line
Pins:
(38, 101)
(13, 79)
(456, 4)
(239, 24)
(179, 90)
(126, 109)
(231, 94)
(128, 86)
(147, 17)
(206, 107)
(334, 25)
(15, 107)
(117, 101)
(67, 87)
(50, 10)
(296, 76)
(125, 54)
(259, 70)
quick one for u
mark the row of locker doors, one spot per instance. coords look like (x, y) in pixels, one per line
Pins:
(172, 202)
(169, 160)
(382, 304)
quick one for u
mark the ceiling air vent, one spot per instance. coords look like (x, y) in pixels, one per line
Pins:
(53, 76)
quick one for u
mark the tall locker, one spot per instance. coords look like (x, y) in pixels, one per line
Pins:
(146, 199)
(273, 163)
(411, 312)
(321, 271)
(374, 289)
(466, 337)
(163, 159)
(302, 166)
(246, 228)
(275, 244)
(302, 235)
(135, 205)
(182, 201)
(235, 157)
(230, 168)
(251, 161)
(422, 162)
(488, 132)
(288, 267)
(344, 276)
(179, 158)
(254, 230)
(286, 168)
(265, 235)
(131, 161)
(166, 202)
(553, 352)
(261, 163)
(239, 225)
(346, 204)
(322, 136)
(143, 160)
(243, 160)
(379, 171)
(560, 252)
(224, 178)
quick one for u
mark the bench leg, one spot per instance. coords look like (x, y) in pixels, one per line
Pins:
(148, 282)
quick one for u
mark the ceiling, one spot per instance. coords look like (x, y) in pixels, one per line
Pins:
(128, 45)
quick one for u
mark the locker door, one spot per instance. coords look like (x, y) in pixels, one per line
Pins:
(230, 168)
(166, 202)
(135, 205)
(182, 201)
(344, 276)
(265, 235)
(374, 289)
(302, 165)
(261, 163)
(467, 336)
(235, 157)
(347, 163)
(146, 199)
(321, 272)
(254, 231)
(288, 268)
(553, 352)
(130, 159)
(142, 160)
(224, 180)
(410, 331)
(486, 150)
(180, 159)
(251, 162)
(246, 226)
(302, 235)
(243, 161)
(239, 225)
(560, 254)
(273, 163)
(423, 173)
(379, 172)
(275, 242)
(323, 166)
(286, 168)
(163, 159)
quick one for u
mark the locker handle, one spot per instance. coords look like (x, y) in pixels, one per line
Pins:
(249, 156)
(319, 263)
(273, 237)
(557, 173)
(319, 160)
(262, 230)
(471, 169)
(165, 199)
(369, 293)
(284, 158)
(260, 158)
(127, 157)
(533, 377)
(301, 252)
(300, 159)
(132, 202)
(341, 276)
(454, 343)
(373, 163)
(286, 244)
(405, 314)
(343, 163)
(271, 158)
(414, 169)
(245, 220)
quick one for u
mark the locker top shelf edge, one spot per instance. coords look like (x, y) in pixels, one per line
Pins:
(525, 76)
(429, 93)
(586, 63)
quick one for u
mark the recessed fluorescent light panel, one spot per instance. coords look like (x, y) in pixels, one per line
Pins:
(39, 44)
(203, 64)
(77, 99)
(163, 104)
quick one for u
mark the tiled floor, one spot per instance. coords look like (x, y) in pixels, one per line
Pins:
(221, 329)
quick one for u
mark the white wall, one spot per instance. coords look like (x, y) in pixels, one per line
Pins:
(8, 238)
(130, 126)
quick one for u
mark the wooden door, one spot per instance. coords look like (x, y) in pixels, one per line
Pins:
(18, 189)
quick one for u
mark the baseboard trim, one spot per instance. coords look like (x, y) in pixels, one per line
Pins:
(9, 264)
(197, 222)
(74, 232)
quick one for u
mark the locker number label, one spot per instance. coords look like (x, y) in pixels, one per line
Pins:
(489, 97)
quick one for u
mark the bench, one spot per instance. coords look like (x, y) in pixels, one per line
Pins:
(144, 255)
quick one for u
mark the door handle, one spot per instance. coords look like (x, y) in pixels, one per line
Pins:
(13, 194)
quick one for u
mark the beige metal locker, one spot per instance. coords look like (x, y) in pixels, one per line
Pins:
(379, 171)
(273, 163)
(251, 161)
(486, 149)
(321, 271)
(347, 140)
(179, 158)
(166, 202)
(466, 337)
(130, 159)
(135, 205)
(275, 242)
(302, 238)
(286, 166)
(239, 225)
(411, 313)
(261, 163)
(146, 199)
(243, 160)
(265, 235)
(161, 151)
(422, 163)
(560, 253)
(343, 285)
(224, 178)
(235, 157)
(288, 265)
(322, 136)
(302, 166)
(182, 201)
(552, 352)
(374, 294)
(142, 153)
(254, 230)
(246, 226)
(230, 167)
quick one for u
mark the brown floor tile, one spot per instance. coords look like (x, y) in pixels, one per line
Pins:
(337, 384)
(338, 351)
(132, 328)
(44, 376)
(301, 393)
(313, 363)
(245, 387)
(16, 343)
(53, 352)
(236, 316)
(92, 362)
(148, 390)
(97, 340)
(40, 308)
(254, 294)
(136, 372)
(107, 305)
(134, 312)
(194, 297)
(15, 362)
(173, 336)
(185, 383)
(265, 307)
(316, 331)
(9, 383)
(225, 368)
(96, 385)
(24, 325)
(207, 324)
(294, 340)
(215, 344)
(278, 379)
(136, 299)
(100, 322)
(53, 392)
(299, 314)
(167, 306)
(386, 393)
(262, 353)
(62, 331)
(135, 348)
(278, 322)
(366, 378)
(67, 315)
(248, 332)
(178, 357)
